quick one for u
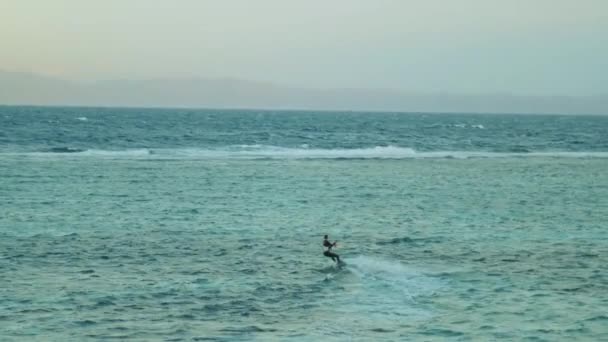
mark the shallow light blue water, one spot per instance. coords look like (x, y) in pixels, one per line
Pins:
(190, 225)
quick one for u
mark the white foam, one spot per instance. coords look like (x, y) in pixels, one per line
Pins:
(378, 152)
(124, 153)
(134, 153)
(461, 125)
(392, 276)
(82, 118)
(275, 152)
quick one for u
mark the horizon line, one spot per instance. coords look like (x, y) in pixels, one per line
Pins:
(250, 109)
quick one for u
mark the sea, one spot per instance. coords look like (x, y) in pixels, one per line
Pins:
(146, 224)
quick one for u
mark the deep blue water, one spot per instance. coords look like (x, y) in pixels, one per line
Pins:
(40, 129)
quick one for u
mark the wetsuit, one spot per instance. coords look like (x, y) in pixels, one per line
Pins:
(328, 253)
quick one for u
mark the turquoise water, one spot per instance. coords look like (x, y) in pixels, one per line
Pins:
(204, 225)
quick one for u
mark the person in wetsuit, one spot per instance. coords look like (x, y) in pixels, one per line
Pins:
(328, 253)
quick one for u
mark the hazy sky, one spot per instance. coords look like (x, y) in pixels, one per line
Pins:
(557, 47)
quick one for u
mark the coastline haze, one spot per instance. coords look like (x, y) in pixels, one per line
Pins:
(473, 48)
(30, 89)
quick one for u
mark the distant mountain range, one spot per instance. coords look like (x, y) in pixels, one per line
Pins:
(32, 89)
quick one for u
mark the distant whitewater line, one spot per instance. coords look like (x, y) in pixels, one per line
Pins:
(275, 152)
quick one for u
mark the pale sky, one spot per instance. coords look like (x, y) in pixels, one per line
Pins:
(525, 47)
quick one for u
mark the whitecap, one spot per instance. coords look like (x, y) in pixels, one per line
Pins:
(276, 152)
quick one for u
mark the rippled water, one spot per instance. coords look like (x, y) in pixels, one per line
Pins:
(169, 237)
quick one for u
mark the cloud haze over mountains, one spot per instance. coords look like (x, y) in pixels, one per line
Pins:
(541, 56)
(31, 89)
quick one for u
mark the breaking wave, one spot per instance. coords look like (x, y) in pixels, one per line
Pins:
(275, 152)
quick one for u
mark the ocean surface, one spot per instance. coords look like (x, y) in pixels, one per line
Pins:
(195, 225)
